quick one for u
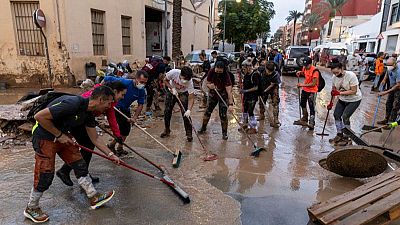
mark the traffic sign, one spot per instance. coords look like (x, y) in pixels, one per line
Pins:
(380, 36)
(39, 18)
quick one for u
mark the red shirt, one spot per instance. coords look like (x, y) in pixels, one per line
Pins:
(110, 113)
(310, 75)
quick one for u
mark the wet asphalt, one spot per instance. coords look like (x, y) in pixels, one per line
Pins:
(275, 188)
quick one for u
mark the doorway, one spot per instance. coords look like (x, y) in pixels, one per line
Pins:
(154, 32)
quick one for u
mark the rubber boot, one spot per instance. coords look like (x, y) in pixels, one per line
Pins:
(304, 119)
(275, 121)
(311, 123)
(203, 128)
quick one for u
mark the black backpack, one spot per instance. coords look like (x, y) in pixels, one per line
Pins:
(321, 81)
(43, 101)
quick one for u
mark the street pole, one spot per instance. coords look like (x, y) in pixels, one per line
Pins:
(48, 57)
(223, 36)
(166, 28)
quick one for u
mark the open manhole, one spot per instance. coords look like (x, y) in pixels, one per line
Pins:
(355, 161)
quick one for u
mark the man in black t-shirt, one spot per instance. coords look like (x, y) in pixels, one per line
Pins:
(269, 87)
(153, 83)
(50, 136)
(250, 93)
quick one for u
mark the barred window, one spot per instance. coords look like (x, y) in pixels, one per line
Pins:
(126, 34)
(98, 32)
(29, 40)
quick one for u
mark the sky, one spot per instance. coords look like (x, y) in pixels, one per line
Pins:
(282, 8)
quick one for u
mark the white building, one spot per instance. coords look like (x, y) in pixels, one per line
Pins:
(364, 36)
(391, 27)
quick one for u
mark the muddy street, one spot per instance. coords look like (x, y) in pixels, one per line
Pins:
(275, 188)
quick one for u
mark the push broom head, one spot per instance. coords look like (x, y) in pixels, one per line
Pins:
(177, 159)
(181, 193)
(256, 152)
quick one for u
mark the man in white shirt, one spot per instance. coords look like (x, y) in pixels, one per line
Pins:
(353, 62)
(179, 84)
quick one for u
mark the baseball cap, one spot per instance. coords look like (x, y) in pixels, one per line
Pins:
(307, 61)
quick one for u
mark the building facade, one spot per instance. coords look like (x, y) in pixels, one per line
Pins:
(98, 31)
(391, 27)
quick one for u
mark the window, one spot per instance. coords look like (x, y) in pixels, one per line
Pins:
(98, 32)
(126, 34)
(391, 43)
(395, 14)
(29, 40)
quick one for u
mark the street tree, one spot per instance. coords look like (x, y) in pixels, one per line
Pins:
(245, 21)
(312, 22)
(176, 28)
(294, 15)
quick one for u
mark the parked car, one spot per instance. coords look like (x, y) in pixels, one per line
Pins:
(332, 51)
(292, 57)
(193, 58)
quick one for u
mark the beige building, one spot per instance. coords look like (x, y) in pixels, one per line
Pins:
(99, 31)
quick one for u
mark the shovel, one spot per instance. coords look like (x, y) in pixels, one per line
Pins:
(257, 150)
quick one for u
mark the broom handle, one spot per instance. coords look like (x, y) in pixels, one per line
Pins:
(122, 163)
(234, 116)
(376, 111)
(191, 124)
(166, 148)
(327, 116)
(299, 93)
(137, 153)
(265, 107)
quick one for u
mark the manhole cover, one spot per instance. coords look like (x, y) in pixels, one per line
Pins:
(355, 161)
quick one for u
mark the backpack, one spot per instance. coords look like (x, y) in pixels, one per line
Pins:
(151, 67)
(43, 101)
(321, 81)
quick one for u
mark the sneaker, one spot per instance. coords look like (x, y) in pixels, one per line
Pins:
(121, 152)
(36, 215)
(189, 138)
(344, 142)
(100, 199)
(382, 122)
(64, 177)
(165, 134)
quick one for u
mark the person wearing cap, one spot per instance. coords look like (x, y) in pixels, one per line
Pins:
(308, 93)
(249, 90)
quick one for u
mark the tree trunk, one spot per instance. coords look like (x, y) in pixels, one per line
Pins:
(294, 30)
(176, 28)
(309, 37)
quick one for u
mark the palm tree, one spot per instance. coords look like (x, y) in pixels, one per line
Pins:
(294, 15)
(333, 7)
(176, 28)
(312, 22)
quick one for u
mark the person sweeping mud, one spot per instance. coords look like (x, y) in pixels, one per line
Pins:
(393, 101)
(308, 93)
(345, 87)
(218, 79)
(83, 138)
(50, 136)
(250, 94)
(269, 87)
(135, 92)
(179, 85)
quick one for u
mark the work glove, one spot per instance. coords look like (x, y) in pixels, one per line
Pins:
(119, 140)
(335, 93)
(393, 125)
(330, 106)
(187, 113)
(174, 91)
